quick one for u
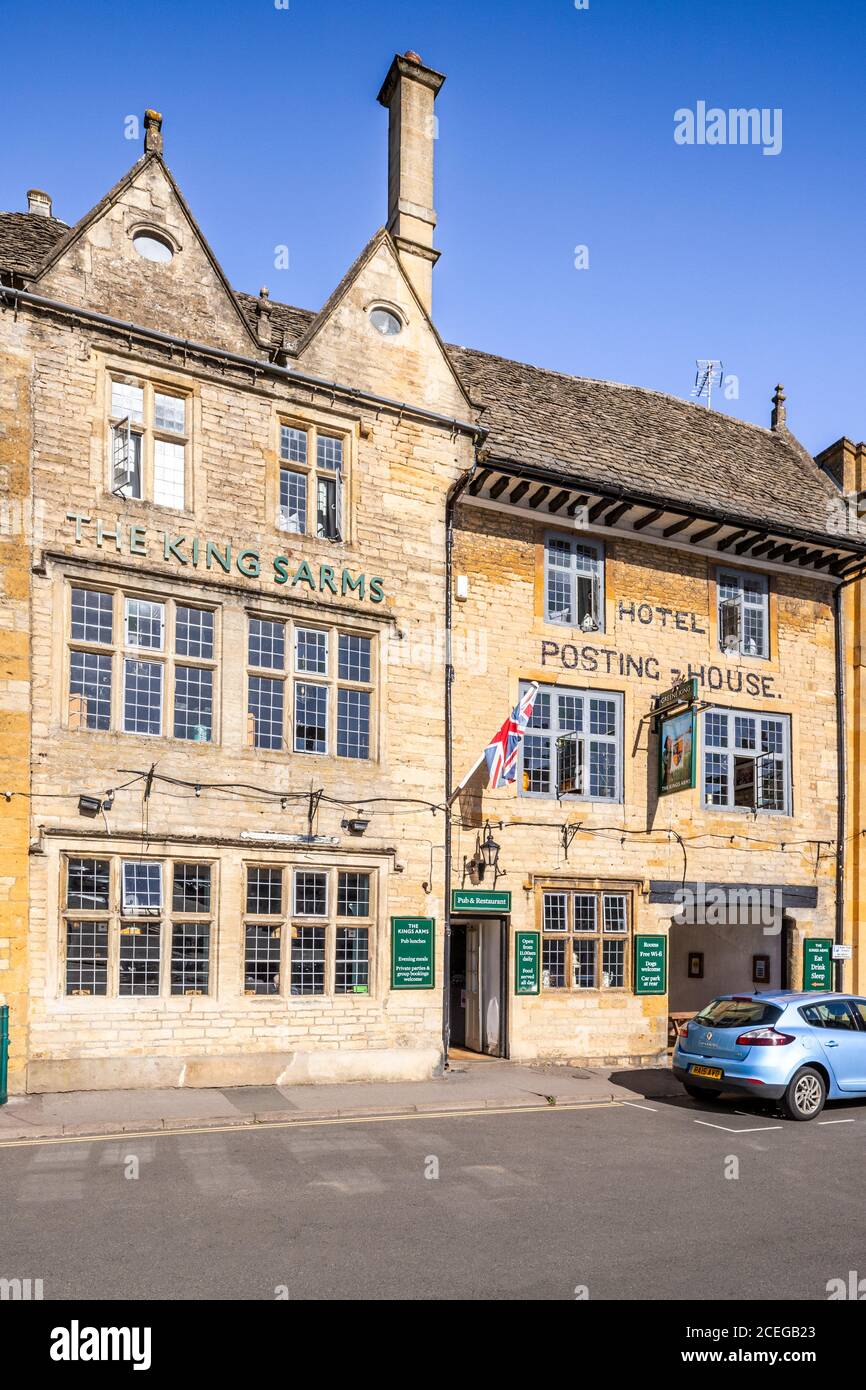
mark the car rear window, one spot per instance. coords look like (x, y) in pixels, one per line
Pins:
(738, 1013)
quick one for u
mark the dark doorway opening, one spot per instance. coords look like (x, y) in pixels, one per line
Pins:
(478, 985)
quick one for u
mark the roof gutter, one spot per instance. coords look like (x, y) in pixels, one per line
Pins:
(617, 492)
(289, 374)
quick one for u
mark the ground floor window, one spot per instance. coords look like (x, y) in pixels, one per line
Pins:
(586, 938)
(137, 927)
(307, 931)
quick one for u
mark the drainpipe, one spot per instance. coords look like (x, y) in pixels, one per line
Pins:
(841, 769)
(454, 494)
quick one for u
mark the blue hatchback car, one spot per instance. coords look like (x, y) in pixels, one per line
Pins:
(798, 1049)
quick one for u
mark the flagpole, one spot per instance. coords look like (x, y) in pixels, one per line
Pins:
(479, 760)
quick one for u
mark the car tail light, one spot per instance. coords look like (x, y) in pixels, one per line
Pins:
(682, 1030)
(764, 1037)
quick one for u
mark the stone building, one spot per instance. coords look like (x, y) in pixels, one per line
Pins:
(272, 578)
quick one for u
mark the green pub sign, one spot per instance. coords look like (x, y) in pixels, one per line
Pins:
(817, 970)
(650, 964)
(412, 941)
(526, 952)
(480, 900)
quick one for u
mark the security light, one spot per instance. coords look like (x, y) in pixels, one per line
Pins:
(356, 826)
(89, 805)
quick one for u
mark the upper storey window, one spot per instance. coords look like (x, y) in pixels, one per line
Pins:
(574, 582)
(149, 442)
(312, 483)
(743, 613)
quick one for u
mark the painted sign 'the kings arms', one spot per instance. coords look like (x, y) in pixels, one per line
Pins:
(212, 555)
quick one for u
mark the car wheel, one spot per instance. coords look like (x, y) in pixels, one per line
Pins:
(701, 1092)
(805, 1096)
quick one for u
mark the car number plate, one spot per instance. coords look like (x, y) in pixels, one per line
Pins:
(714, 1073)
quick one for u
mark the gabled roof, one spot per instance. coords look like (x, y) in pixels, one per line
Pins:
(72, 234)
(573, 427)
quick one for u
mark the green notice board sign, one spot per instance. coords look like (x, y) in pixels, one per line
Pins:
(480, 900)
(650, 964)
(817, 970)
(412, 940)
(526, 952)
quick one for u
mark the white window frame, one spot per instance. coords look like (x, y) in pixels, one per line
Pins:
(737, 577)
(593, 551)
(740, 751)
(584, 738)
(312, 471)
(148, 435)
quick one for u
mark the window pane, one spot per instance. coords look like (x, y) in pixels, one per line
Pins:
(169, 413)
(193, 703)
(261, 959)
(615, 912)
(352, 968)
(127, 400)
(311, 718)
(540, 717)
(772, 736)
(602, 770)
(311, 893)
(311, 651)
(613, 964)
(744, 732)
(583, 959)
(265, 892)
(266, 707)
(86, 957)
(354, 657)
(753, 630)
(293, 501)
(554, 912)
(553, 962)
(329, 453)
(145, 623)
(326, 509)
(87, 884)
(716, 779)
(190, 957)
(142, 697)
(139, 958)
(191, 888)
(193, 632)
(602, 717)
(716, 730)
(267, 644)
(293, 444)
(570, 713)
(353, 723)
(308, 960)
(90, 689)
(559, 591)
(585, 912)
(168, 473)
(126, 462)
(141, 885)
(771, 791)
(353, 895)
(536, 764)
(91, 616)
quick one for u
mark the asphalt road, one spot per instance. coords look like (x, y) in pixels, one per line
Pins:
(632, 1202)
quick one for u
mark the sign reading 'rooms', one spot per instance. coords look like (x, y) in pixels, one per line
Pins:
(221, 556)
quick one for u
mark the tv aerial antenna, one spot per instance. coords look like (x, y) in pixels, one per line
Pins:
(709, 373)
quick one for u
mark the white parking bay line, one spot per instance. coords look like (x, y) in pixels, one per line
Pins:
(837, 1122)
(633, 1105)
(758, 1129)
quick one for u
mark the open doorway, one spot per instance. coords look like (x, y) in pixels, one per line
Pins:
(478, 994)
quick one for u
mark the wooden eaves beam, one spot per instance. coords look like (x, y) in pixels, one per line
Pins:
(648, 519)
(614, 515)
(676, 526)
(499, 486)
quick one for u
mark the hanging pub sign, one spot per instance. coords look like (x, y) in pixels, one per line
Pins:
(677, 736)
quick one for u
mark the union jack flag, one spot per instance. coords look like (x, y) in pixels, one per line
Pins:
(501, 753)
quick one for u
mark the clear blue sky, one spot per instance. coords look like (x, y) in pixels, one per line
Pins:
(556, 129)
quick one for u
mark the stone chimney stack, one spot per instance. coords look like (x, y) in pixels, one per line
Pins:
(38, 203)
(409, 92)
(152, 132)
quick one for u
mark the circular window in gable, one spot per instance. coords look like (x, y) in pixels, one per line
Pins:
(153, 247)
(385, 322)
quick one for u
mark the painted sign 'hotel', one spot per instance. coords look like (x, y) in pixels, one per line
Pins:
(273, 578)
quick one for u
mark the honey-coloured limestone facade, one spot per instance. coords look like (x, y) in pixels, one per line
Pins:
(272, 579)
